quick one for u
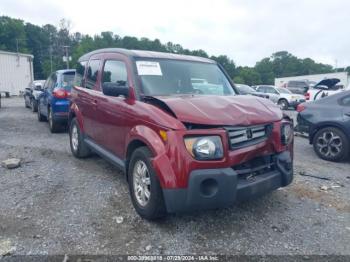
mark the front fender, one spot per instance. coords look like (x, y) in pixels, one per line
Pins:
(158, 147)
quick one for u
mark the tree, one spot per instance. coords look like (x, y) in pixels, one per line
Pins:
(46, 44)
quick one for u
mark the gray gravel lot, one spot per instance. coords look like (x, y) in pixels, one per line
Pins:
(56, 204)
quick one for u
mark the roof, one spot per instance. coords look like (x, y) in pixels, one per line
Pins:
(16, 54)
(147, 54)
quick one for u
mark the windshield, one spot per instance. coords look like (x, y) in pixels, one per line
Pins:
(174, 77)
(284, 91)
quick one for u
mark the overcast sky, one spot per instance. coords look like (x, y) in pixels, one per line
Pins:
(245, 30)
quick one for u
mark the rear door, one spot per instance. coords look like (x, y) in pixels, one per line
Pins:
(87, 96)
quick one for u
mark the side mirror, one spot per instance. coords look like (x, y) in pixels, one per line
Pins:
(115, 89)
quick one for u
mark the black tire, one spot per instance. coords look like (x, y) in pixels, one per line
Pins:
(34, 105)
(53, 124)
(338, 150)
(25, 103)
(41, 118)
(283, 103)
(155, 207)
(81, 150)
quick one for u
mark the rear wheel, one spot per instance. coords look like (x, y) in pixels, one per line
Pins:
(77, 144)
(146, 193)
(283, 103)
(34, 105)
(331, 144)
(54, 126)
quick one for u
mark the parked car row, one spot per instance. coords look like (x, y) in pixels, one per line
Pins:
(280, 96)
(50, 98)
(182, 133)
(175, 126)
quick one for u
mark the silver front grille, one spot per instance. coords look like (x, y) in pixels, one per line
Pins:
(245, 136)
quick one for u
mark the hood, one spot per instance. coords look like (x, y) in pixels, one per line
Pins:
(328, 82)
(221, 110)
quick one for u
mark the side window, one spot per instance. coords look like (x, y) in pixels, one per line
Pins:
(269, 90)
(79, 75)
(261, 89)
(47, 82)
(115, 72)
(91, 74)
(53, 81)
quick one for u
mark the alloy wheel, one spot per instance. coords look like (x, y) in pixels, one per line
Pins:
(141, 183)
(75, 138)
(329, 144)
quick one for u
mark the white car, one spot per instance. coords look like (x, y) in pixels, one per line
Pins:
(324, 88)
(281, 96)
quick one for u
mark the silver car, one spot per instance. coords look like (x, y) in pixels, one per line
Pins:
(281, 96)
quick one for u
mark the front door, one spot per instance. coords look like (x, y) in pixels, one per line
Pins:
(110, 129)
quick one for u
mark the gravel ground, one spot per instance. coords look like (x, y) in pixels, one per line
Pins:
(56, 204)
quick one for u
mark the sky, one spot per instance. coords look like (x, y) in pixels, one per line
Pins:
(245, 30)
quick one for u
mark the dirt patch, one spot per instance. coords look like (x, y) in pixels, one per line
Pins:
(325, 198)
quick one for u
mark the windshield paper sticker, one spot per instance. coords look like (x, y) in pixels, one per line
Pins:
(148, 68)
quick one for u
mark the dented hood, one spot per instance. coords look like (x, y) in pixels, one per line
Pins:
(222, 110)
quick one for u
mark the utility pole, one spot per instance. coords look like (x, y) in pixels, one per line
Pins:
(50, 57)
(66, 55)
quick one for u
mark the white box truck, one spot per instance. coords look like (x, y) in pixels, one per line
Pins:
(16, 72)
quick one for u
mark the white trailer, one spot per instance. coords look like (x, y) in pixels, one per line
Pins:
(16, 72)
(342, 76)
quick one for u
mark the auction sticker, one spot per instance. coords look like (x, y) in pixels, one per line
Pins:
(148, 68)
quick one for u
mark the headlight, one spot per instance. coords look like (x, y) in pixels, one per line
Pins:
(205, 147)
(286, 133)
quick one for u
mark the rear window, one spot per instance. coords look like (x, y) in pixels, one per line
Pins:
(67, 80)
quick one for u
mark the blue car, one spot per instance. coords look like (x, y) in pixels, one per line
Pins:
(53, 103)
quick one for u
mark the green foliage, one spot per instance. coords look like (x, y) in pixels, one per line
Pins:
(46, 44)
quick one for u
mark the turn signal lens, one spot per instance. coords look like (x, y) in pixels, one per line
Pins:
(163, 135)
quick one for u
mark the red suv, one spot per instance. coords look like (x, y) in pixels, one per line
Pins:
(176, 127)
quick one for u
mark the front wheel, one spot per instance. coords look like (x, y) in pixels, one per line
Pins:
(283, 103)
(146, 193)
(331, 144)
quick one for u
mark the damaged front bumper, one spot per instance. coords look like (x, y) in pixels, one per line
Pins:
(214, 188)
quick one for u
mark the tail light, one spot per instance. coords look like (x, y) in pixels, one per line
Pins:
(300, 108)
(307, 96)
(60, 93)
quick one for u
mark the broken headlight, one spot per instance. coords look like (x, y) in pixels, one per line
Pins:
(205, 147)
(286, 133)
